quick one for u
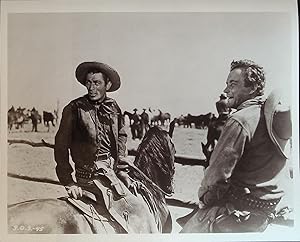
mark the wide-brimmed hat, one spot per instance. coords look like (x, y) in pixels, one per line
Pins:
(223, 96)
(84, 68)
(278, 120)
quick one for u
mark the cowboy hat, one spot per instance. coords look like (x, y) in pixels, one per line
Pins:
(278, 120)
(223, 96)
(84, 68)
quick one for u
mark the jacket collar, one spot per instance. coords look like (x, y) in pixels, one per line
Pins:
(259, 100)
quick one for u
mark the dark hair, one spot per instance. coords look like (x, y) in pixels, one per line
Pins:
(254, 74)
(95, 70)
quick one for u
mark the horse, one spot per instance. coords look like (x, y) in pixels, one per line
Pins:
(11, 117)
(129, 115)
(197, 120)
(153, 169)
(215, 128)
(154, 117)
(48, 117)
(136, 126)
(206, 119)
(16, 117)
(164, 117)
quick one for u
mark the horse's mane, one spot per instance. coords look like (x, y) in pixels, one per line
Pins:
(155, 157)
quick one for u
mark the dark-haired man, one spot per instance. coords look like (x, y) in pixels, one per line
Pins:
(243, 184)
(92, 130)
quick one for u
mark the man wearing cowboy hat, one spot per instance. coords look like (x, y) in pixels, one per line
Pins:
(243, 185)
(221, 105)
(92, 129)
(136, 127)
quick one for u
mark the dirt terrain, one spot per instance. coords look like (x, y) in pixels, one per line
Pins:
(25, 161)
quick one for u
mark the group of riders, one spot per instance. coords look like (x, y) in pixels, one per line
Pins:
(141, 122)
(241, 189)
(20, 116)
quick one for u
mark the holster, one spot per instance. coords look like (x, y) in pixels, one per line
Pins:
(109, 173)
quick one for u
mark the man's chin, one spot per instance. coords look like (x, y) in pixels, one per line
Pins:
(93, 98)
(230, 104)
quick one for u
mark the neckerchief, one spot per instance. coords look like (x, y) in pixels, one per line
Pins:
(105, 107)
(101, 114)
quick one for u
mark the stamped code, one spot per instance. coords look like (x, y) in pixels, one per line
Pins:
(28, 228)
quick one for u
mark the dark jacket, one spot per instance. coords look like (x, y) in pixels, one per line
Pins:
(77, 133)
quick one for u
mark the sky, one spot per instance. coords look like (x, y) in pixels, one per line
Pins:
(177, 62)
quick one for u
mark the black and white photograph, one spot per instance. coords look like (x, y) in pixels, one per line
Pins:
(135, 119)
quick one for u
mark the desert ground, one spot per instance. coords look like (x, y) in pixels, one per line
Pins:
(38, 162)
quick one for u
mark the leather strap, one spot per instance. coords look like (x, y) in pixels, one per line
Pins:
(107, 197)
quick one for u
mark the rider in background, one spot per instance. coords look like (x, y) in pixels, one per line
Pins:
(222, 107)
(136, 126)
(244, 183)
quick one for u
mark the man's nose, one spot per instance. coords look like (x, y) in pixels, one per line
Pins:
(226, 90)
(91, 86)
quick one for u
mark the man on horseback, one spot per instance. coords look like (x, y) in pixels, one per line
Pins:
(243, 186)
(216, 124)
(92, 128)
(136, 126)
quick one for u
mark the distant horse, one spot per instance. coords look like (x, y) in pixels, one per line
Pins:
(215, 128)
(129, 115)
(196, 120)
(135, 125)
(181, 120)
(11, 117)
(206, 119)
(16, 117)
(48, 117)
(163, 117)
(152, 176)
(154, 117)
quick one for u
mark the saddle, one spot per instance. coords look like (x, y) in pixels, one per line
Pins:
(97, 218)
(121, 206)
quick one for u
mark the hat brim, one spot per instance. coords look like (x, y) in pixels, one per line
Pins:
(84, 68)
(270, 109)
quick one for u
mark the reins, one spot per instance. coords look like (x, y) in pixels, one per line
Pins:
(148, 179)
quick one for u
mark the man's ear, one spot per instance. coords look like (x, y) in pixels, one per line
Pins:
(108, 85)
(253, 89)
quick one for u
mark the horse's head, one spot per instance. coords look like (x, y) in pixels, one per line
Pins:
(156, 155)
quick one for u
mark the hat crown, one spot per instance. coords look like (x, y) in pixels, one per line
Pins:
(278, 120)
(83, 68)
(282, 122)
